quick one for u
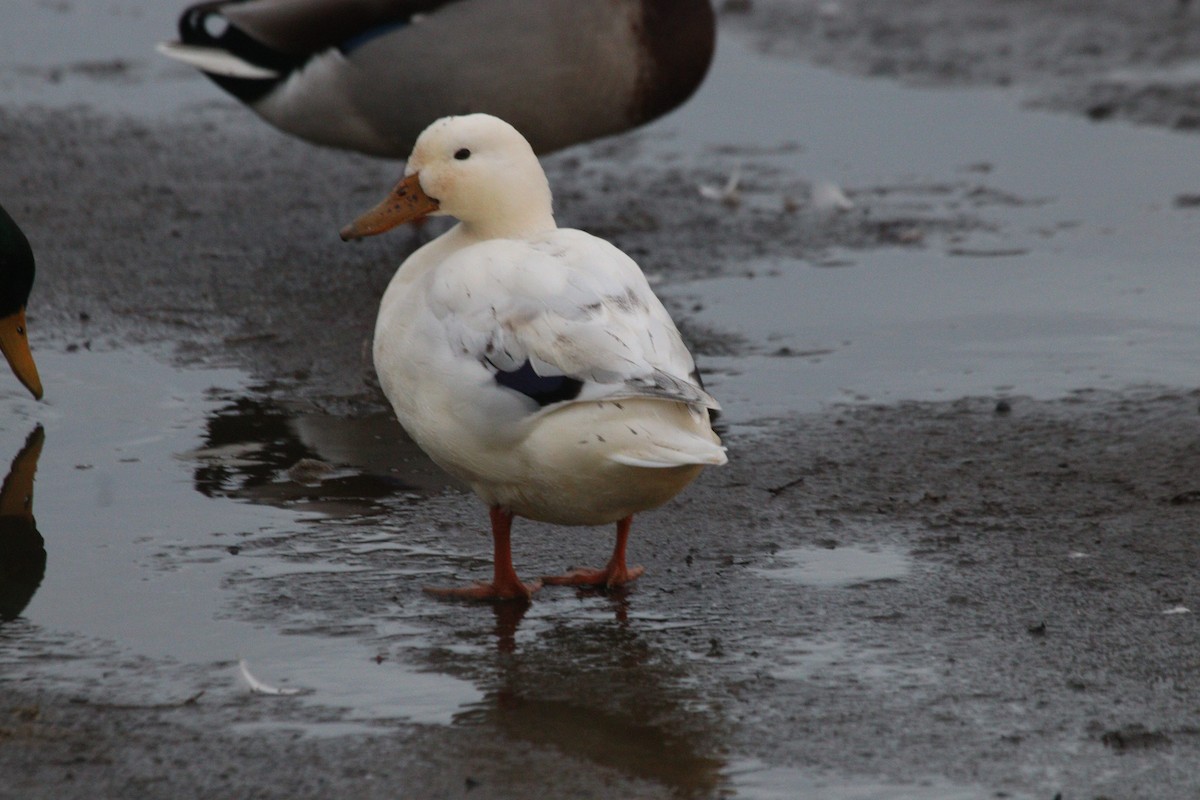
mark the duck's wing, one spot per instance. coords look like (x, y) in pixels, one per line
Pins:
(261, 39)
(564, 318)
(309, 26)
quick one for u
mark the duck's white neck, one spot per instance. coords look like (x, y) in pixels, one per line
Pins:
(517, 207)
(512, 226)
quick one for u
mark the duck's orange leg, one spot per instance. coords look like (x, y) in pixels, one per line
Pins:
(505, 584)
(614, 575)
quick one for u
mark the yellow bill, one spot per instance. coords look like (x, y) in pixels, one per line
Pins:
(15, 346)
(407, 202)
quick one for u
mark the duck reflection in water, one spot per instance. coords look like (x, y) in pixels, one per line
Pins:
(22, 549)
(617, 702)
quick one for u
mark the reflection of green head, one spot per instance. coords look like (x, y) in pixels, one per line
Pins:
(22, 549)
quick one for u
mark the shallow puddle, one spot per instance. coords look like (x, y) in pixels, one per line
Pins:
(178, 544)
(828, 662)
(754, 780)
(1081, 276)
(840, 566)
(918, 326)
(136, 498)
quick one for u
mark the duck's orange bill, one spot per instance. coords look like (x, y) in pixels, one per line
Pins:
(407, 202)
(15, 346)
(16, 495)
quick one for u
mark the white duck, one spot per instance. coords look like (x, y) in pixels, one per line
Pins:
(532, 362)
(369, 75)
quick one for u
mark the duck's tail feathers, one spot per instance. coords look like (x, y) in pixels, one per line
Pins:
(242, 64)
(216, 62)
(676, 451)
(666, 386)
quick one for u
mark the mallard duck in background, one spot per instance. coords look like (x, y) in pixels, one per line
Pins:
(370, 75)
(532, 362)
(16, 281)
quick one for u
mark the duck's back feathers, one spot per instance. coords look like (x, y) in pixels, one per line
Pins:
(304, 27)
(565, 317)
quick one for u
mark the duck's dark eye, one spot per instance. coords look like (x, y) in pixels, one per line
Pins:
(463, 154)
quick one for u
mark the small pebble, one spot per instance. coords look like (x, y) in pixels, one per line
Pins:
(309, 471)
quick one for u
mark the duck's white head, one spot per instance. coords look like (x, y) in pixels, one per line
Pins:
(476, 168)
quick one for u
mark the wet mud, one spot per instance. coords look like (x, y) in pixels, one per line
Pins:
(271, 285)
(1106, 59)
(962, 598)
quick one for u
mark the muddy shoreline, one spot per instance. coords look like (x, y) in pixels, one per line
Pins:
(1107, 60)
(1027, 651)
(1034, 652)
